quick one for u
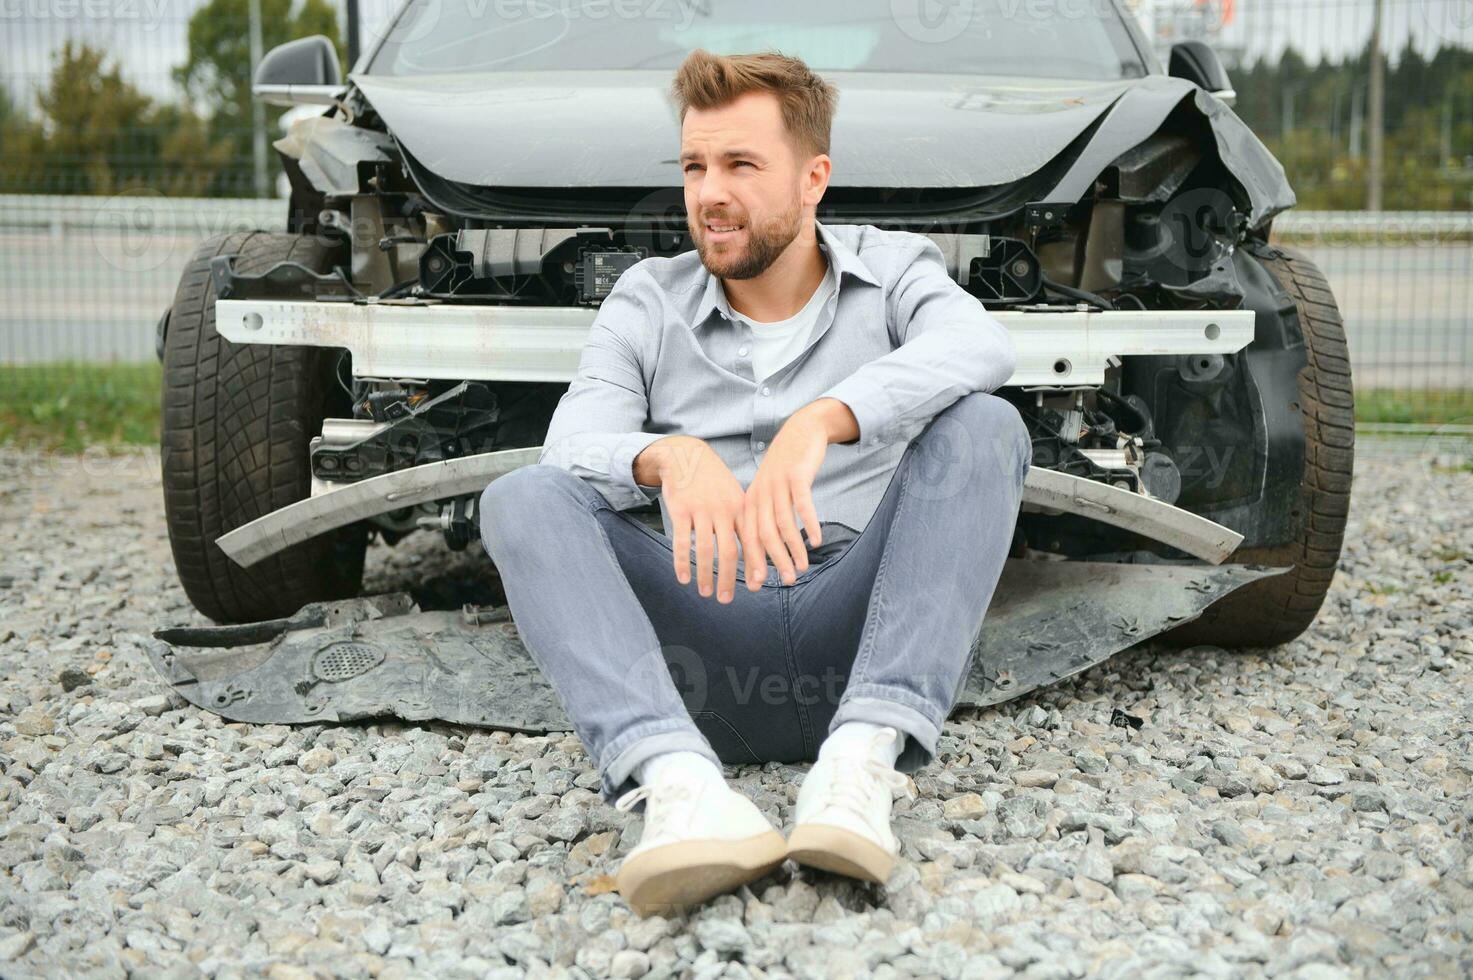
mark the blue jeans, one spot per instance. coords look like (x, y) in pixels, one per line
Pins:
(881, 630)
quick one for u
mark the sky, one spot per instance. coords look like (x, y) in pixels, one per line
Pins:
(147, 37)
(1337, 28)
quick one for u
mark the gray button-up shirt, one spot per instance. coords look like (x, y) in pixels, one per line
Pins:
(897, 342)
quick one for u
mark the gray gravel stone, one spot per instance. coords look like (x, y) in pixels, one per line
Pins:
(630, 963)
(1022, 816)
(1294, 812)
(995, 902)
(16, 945)
(72, 678)
(722, 935)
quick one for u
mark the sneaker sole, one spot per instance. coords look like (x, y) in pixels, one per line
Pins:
(841, 851)
(671, 877)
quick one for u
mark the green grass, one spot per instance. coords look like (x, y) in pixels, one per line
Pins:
(1464, 467)
(1428, 406)
(69, 407)
(1387, 236)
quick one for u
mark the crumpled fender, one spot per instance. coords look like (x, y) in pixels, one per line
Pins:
(329, 151)
(1143, 108)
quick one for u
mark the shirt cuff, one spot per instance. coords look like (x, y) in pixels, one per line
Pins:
(872, 407)
(621, 467)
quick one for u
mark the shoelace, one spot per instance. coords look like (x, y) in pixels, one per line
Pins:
(668, 802)
(853, 794)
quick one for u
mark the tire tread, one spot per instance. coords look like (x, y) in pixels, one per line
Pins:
(237, 420)
(1278, 609)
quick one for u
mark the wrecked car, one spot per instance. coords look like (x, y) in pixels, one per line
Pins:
(473, 189)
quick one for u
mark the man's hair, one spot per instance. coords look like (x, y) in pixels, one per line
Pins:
(710, 81)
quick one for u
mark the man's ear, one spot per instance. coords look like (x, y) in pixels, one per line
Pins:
(816, 179)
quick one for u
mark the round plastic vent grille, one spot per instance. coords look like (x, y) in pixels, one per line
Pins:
(343, 661)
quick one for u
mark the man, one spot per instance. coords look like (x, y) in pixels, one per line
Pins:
(783, 376)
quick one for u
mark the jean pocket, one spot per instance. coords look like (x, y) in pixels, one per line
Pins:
(728, 743)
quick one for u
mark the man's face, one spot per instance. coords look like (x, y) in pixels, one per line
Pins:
(741, 172)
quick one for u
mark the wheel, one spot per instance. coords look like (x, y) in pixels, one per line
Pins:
(237, 420)
(1276, 610)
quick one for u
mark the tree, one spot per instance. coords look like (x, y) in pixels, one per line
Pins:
(217, 73)
(1429, 126)
(190, 160)
(20, 138)
(93, 119)
(98, 134)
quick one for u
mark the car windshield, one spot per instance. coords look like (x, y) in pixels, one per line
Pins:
(1084, 40)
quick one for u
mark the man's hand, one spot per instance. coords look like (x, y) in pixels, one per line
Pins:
(703, 496)
(783, 485)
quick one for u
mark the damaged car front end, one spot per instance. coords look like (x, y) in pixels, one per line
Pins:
(455, 225)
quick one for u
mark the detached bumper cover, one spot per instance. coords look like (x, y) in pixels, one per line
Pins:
(380, 655)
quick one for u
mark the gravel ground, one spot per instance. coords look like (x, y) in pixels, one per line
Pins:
(1303, 811)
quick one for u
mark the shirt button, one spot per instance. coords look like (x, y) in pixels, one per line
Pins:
(761, 445)
(742, 351)
(766, 390)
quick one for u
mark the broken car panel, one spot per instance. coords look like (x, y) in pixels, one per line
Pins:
(469, 208)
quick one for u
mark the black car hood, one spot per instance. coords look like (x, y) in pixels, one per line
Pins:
(603, 129)
(619, 129)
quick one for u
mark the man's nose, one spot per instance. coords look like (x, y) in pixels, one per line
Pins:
(713, 191)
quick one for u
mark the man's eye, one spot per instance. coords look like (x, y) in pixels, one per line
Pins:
(691, 166)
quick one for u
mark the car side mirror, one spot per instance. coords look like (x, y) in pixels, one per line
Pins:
(301, 72)
(1196, 62)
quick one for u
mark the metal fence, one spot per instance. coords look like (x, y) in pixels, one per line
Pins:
(1404, 283)
(86, 278)
(122, 255)
(126, 137)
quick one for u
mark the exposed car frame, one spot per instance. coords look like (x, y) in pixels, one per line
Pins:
(1185, 380)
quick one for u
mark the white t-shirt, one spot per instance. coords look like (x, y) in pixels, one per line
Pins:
(775, 344)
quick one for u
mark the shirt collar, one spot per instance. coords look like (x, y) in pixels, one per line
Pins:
(843, 259)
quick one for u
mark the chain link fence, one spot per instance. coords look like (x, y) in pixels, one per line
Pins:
(127, 136)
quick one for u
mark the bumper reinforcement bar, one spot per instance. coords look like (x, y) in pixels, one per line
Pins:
(1046, 489)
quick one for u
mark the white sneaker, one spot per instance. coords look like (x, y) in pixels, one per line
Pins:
(701, 838)
(842, 817)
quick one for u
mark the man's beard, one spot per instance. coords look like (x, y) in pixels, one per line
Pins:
(762, 244)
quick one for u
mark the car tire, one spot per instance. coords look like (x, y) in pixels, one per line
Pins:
(1277, 609)
(237, 421)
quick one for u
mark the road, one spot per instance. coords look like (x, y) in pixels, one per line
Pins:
(1408, 312)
